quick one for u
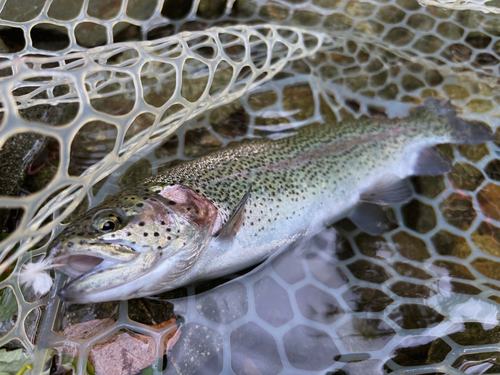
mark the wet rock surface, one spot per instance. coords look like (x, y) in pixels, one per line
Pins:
(75, 313)
(16, 156)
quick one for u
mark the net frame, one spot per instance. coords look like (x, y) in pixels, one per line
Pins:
(91, 67)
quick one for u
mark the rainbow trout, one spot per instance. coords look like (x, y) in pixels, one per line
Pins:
(233, 208)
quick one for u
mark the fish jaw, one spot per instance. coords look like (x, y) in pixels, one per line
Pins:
(151, 272)
(110, 281)
(87, 256)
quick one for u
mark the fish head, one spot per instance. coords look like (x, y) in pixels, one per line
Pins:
(134, 244)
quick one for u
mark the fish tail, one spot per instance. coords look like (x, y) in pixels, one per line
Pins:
(463, 131)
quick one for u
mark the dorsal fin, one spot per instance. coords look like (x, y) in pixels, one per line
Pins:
(234, 222)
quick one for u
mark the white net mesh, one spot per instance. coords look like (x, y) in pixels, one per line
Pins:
(157, 85)
(98, 114)
(479, 5)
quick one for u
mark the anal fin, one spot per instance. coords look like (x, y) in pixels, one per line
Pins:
(388, 189)
(431, 163)
(370, 218)
(229, 230)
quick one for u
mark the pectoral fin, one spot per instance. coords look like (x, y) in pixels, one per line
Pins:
(234, 222)
(370, 218)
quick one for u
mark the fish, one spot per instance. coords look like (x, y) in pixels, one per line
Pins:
(235, 207)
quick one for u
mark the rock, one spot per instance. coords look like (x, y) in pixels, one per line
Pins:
(81, 331)
(488, 201)
(199, 142)
(87, 329)
(170, 339)
(127, 353)
(16, 156)
(73, 314)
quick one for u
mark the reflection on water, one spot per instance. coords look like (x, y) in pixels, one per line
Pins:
(309, 309)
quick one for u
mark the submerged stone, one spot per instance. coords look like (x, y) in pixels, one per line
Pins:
(318, 305)
(489, 200)
(487, 238)
(457, 210)
(419, 216)
(411, 247)
(418, 351)
(465, 176)
(360, 334)
(363, 299)
(415, 316)
(446, 243)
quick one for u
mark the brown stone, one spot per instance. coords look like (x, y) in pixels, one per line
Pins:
(262, 99)
(199, 142)
(368, 271)
(405, 269)
(487, 238)
(457, 210)
(447, 243)
(82, 331)
(299, 98)
(373, 246)
(466, 177)
(463, 288)
(446, 268)
(420, 350)
(410, 290)
(126, 353)
(410, 247)
(415, 316)
(489, 201)
(363, 299)
(475, 333)
(419, 216)
(429, 186)
(86, 330)
(487, 267)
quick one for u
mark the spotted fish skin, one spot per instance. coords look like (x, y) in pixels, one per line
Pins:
(168, 231)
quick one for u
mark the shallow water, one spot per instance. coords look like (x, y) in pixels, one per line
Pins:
(423, 298)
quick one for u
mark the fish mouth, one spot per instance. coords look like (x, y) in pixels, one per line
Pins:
(77, 265)
(107, 281)
(81, 261)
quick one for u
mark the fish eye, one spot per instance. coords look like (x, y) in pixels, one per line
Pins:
(107, 226)
(107, 223)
